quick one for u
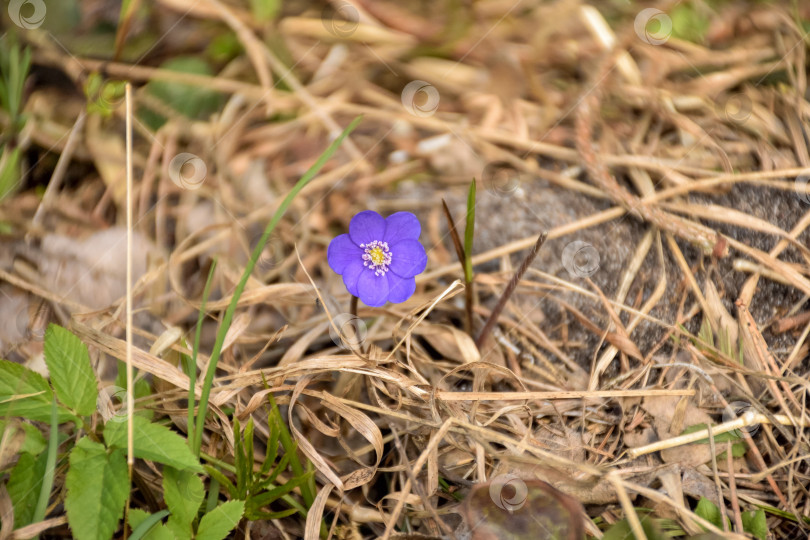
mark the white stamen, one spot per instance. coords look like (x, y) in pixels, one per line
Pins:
(377, 257)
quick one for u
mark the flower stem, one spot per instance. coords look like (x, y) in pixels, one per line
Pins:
(353, 306)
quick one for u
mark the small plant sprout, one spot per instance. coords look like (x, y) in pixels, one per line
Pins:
(379, 257)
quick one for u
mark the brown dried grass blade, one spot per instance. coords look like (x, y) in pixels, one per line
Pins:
(510, 288)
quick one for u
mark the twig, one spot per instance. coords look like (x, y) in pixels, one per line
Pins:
(732, 489)
(130, 372)
(565, 394)
(130, 384)
(510, 288)
(749, 418)
(789, 323)
(60, 170)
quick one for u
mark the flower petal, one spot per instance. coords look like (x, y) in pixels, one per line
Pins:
(366, 227)
(341, 252)
(401, 226)
(351, 274)
(408, 258)
(399, 289)
(372, 289)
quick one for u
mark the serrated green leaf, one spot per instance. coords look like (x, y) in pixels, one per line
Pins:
(162, 532)
(26, 394)
(216, 524)
(152, 441)
(24, 485)
(71, 374)
(755, 523)
(178, 529)
(136, 517)
(97, 488)
(183, 492)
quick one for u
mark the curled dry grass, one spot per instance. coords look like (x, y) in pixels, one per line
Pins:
(410, 405)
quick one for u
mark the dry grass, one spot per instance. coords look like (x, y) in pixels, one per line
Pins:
(662, 137)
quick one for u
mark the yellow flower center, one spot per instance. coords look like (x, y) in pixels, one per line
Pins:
(377, 255)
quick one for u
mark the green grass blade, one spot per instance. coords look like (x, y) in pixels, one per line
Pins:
(50, 467)
(221, 480)
(247, 446)
(192, 372)
(147, 524)
(291, 449)
(213, 495)
(231, 309)
(271, 451)
(469, 233)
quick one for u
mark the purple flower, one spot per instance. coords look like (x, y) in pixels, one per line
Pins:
(379, 257)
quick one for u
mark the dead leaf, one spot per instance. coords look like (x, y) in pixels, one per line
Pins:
(451, 343)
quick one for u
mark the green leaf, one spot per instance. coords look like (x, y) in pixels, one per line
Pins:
(26, 393)
(718, 438)
(152, 441)
(738, 449)
(118, 392)
(688, 22)
(97, 488)
(621, 530)
(754, 523)
(183, 492)
(193, 101)
(264, 10)
(179, 530)
(137, 517)
(147, 526)
(216, 524)
(142, 388)
(709, 511)
(33, 441)
(24, 485)
(71, 374)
